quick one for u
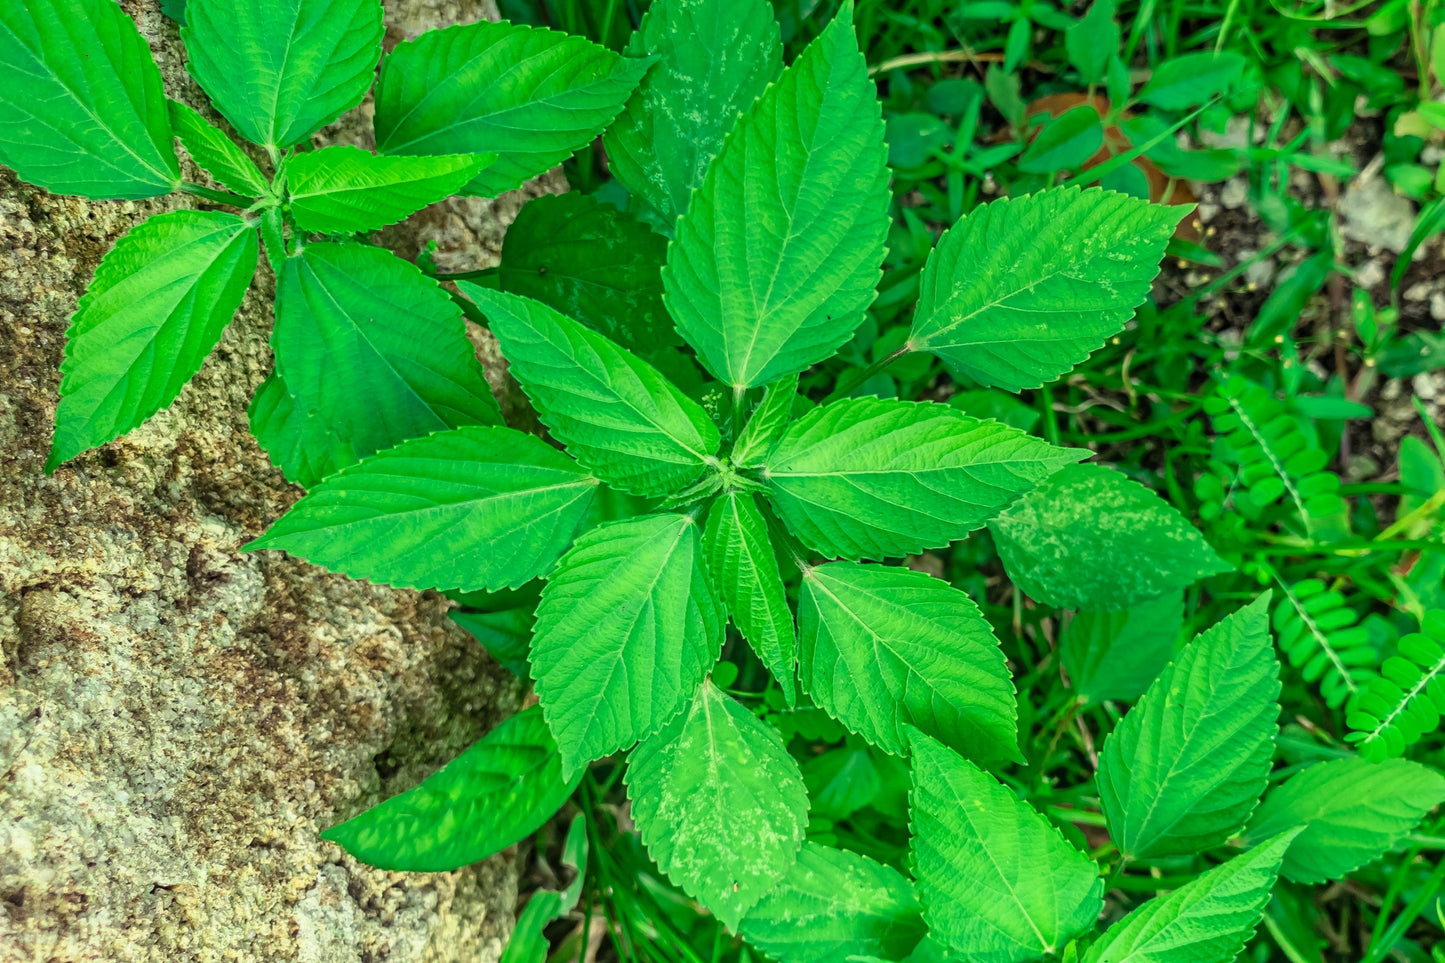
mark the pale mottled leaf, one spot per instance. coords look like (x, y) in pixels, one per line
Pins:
(719, 803)
(776, 259)
(714, 58)
(1089, 538)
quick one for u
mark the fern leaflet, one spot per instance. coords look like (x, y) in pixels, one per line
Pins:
(1275, 462)
(1397, 710)
(1323, 638)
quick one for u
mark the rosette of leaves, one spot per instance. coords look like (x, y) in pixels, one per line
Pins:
(770, 268)
(472, 109)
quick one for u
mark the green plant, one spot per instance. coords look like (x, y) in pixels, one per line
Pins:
(86, 115)
(1060, 728)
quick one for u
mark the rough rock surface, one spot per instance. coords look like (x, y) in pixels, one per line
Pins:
(177, 719)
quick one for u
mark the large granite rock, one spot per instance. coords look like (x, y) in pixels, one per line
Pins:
(177, 719)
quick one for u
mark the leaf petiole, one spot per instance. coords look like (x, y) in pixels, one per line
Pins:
(217, 197)
(846, 386)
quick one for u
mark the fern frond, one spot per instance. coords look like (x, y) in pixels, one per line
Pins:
(1396, 710)
(1275, 462)
(1323, 638)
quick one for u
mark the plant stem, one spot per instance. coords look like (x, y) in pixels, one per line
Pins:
(467, 275)
(846, 386)
(1380, 946)
(739, 396)
(217, 197)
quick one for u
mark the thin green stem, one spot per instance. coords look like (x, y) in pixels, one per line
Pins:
(846, 386)
(476, 275)
(1081, 816)
(740, 395)
(1380, 946)
(217, 197)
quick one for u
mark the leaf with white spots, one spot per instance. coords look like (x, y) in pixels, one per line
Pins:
(714, 58)
(835, 905)
(1089, 538)
(719, 803)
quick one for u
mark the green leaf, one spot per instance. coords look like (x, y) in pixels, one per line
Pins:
(1351, 812)
(1207, 920)
(1092, 41)
(1192, 79)
(1115, 655)
(1404, 703)
(714, 58)
(592, 263)
(528, 942)
(354, 324)
(998, 881)
(81, 109)
(280, 70)
(1065, 142)
(216, 153)
(530, 95)
(1089, 538)
(882, 648)
(719, 803)
(841, 781)
(1188, 764)
(1022, 289)
(475, 508)
(273, 238)
(615, 412)
(868, 478)
(346, 190)
(776, 260)
(155, 308)
(506, 635)
(835, 905)
(744, 567)
(766, 424)
(299, 442)
(498, 792)
(627, 629)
